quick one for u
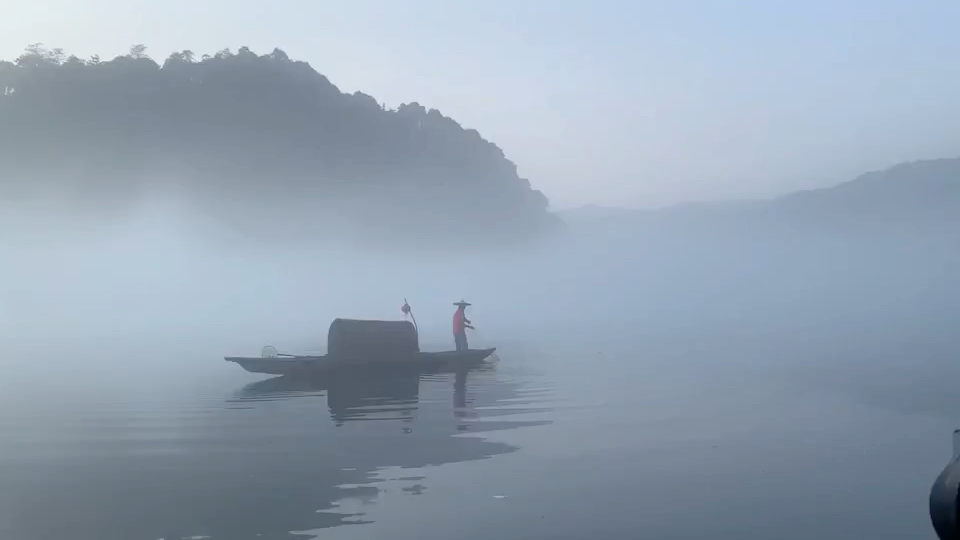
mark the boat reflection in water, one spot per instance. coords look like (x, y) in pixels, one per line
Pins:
(351, 394)
(266, 463)
(369, 394)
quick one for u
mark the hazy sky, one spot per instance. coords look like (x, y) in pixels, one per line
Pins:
(636, 103)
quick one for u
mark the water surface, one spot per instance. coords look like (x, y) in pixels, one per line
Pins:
(550, 442)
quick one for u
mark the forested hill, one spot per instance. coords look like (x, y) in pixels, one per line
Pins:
(262, 143)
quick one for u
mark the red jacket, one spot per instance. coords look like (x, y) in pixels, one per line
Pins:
(460, 322)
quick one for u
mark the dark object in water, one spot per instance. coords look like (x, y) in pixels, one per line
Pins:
(353, 343)
(303, 365)
(945, 496)
(361, 339)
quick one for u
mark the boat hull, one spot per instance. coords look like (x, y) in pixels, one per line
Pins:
(315, 364)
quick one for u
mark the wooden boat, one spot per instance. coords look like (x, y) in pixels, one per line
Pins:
(295, 365)
(356, 343)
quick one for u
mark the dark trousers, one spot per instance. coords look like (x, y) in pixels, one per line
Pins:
(461, 341)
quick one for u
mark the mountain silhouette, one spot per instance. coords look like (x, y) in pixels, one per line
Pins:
(906, 197)
(263, 144)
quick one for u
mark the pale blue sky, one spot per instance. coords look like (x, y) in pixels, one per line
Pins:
(626, 103)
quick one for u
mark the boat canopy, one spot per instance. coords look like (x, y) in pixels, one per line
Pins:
(357, 338)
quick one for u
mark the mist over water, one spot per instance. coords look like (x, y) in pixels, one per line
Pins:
(781, 368)
(678, 379)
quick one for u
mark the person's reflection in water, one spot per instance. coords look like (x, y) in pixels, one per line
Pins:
(460, 399)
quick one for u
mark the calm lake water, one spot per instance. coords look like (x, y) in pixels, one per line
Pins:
(550, 442)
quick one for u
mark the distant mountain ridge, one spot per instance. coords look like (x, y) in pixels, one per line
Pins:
(918, 192)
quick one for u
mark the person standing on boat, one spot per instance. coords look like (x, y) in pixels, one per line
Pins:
(460, 325)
